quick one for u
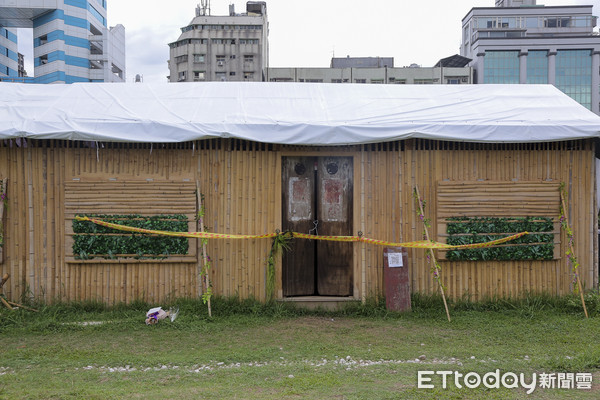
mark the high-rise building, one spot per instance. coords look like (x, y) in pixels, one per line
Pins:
(71, 41)
(222, 48)
(521, 42)
(21, 66)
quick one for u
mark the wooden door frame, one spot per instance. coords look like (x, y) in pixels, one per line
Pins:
(358, 274)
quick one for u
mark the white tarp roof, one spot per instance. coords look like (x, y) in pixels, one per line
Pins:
(292, 113)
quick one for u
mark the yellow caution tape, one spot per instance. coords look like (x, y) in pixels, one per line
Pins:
(421, 244)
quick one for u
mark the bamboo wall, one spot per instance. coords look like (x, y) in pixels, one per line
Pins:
(241, 183)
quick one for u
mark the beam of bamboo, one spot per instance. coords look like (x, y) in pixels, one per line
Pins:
(3, 191)
(433, 260)
(204, 255)
(562, 200)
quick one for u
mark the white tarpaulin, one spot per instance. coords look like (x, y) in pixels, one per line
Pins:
(292, 113)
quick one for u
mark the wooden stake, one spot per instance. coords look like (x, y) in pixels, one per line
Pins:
(204, 255)
(4, 279)
(562, 200)
(433, 260)
(8, 303)
(22, 306)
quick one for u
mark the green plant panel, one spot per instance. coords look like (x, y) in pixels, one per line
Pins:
(470, 230)
(92, 240)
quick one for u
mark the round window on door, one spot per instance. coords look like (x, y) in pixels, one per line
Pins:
(332, 168)
(300, 169)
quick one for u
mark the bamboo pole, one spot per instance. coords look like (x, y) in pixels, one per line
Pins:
(433, 260)
(2, 190)
(204, 255)
(562, 200)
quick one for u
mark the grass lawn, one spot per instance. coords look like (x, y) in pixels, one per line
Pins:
(253, 351)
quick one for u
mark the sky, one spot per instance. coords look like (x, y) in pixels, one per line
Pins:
(305, 33)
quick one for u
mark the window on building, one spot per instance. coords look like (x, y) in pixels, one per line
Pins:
(574, 75)
(532, 22)
(44, 59)
(537, 67)
(220, 76)
(43, 39)
(360, 81)
(248, 41)
(453, 81)
(181, 59)
(199, 58)
(423, 81)
(248, 75)
(550, 22)
(582, 22)
(181, 76)
(199, 76)
(377, 81)
(501, 67)
(232, 73)
(248, 58)
(336, 81)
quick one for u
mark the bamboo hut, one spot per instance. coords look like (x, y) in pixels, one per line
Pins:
(324, 159)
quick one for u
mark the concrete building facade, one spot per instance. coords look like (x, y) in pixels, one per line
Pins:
(522, 43)
(377, 70)
(71, 41)
(408, 75)
(9, 56)
(222, 48)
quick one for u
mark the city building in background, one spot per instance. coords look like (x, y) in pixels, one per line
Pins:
(71, 41)
(234, 47)
(378, 70)
(362, 62)
(524, 43)
(9, 56)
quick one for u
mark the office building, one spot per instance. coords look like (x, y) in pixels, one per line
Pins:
(377, 70)
(9, 58)
(71, 41)
(222, 48)
(521, 42)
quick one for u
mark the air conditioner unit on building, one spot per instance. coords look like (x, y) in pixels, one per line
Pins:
(465, 79)
(220, 63)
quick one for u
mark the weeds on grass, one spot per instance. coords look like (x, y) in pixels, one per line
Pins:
(528, 306)
(65, 316)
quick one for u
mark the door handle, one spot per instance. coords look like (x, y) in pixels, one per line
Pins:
(315, 228)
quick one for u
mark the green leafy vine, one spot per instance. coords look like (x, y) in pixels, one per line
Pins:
(281, 243)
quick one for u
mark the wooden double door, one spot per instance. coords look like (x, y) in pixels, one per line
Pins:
(317, 199)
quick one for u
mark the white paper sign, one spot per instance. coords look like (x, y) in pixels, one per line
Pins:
(395, 260)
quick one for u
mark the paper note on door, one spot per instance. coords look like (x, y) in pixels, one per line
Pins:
(395, 260)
